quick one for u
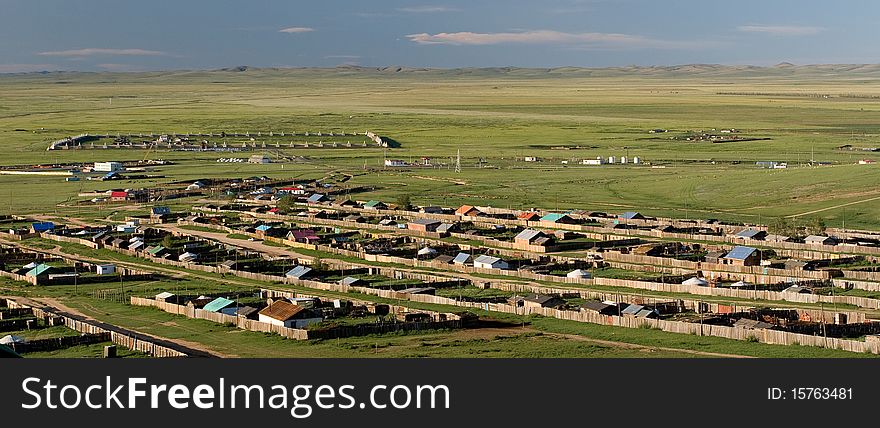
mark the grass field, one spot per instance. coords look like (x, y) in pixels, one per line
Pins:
(497, 116)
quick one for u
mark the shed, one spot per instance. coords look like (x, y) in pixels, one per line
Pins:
(218, 304)
(820, 240)
(164, 296)
(299, 272)
(751, 234)
(599, 307)
(105, 269)
(424, 225)
(468, 211)
(538, 301)
(630, 215)
(579, 274)
(490, 262)
(743, 256)
(558, 218)
(286, 314)
(375, 205)
(527, 236)
(462, 259)
(40, 227)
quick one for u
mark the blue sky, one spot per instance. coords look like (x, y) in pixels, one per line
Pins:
(121, 35)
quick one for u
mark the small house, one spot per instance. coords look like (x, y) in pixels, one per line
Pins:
(424, 225)
(579, 274)
(558, 218)
(598, 307)
(742, 256)
(188, 257)
(375, 205)
(316, 198)
(40, 227)
(528, 237)
(751, 234)
(352, 281)
(286, 314)
(462, 259)
(529, 216)
(105, 269)
(537, 301)
(165, 297)
(820, 240)
(490, 262)
(630, 215)
(299, 272)
(468, 211)
(218, 304)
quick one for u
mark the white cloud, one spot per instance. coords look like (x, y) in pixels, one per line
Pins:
(342, 57)
(103, 51)
(428, 9)
(545, 37)
(296, 30)
(781, 30)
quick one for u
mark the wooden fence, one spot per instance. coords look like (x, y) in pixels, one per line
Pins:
(88, 327)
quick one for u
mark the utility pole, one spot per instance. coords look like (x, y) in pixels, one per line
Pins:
(458, 162)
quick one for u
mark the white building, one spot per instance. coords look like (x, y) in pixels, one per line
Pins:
(108, 166)
(261, 159)
(394, 162)
(597, 161)
(105, 269)
(489, 262)
(531, 159)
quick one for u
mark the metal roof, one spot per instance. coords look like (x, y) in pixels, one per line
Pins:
(630, 215)
(281, 310)
(740, 252)
(632, 309)
(43, 226)
(749, 233)
(528, 234)
(298, 272)
(217, 304)
(425, 221)
(553, 217)
(39, 270)
(489, 260)
(461, 258)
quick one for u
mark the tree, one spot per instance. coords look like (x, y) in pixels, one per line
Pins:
(816, 226)
(168, 241)
(404, 202)
(286, 204)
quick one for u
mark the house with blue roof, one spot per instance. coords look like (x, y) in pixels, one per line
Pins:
(742, 256)
(630, 215)
(40, 227)
(462, 259)
(316, 198)
(751, 234)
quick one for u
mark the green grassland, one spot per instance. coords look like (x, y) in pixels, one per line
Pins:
(496, 115)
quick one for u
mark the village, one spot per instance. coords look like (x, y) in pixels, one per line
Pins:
(813, 286)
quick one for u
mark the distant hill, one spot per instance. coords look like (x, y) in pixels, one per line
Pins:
(784, 69)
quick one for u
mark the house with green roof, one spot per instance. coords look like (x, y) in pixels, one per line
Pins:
(218, 305)
(558, 218)
(40, 270)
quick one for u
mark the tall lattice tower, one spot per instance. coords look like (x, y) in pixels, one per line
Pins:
(458, 161)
